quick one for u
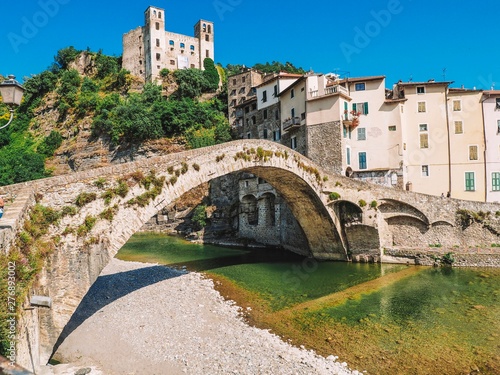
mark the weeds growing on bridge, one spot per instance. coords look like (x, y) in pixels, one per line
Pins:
(85, 198)
(28, 254)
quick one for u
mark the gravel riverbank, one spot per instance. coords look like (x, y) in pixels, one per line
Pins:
(148, 319)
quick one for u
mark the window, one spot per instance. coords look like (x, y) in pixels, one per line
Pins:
(292, 113)
(157, 42)
(345, 132)
(234, 81)
(275, 92)
(292, 93)
(247, 109)
(473, 152)
(157, 25)
(249, 135)
(254, 106)
(498, 126)
(420, 89)
(209, 28)
(183, 45)
(497, 103)
(423, 127)
(362, 160)
(233, 102)
(303, 116)
(191, 47)
(495, 181)
(360, 86)
(158, 57)
(264, 96)
(204, 27)
(207, 53)
(362, 108)
(421, 107)
(207, 38)
(392, 128)
(457, 105)
(265, 133)
(459, 127)
(171, 42)
(348, 155)
(233, 92)
(277, 135)
(469, 181)
(293, 143)
(265, 114)
(159, 15)
(424, 140)
(361, 134)
(254, 120)
(277, 115)
(425, 171)
(172, 62)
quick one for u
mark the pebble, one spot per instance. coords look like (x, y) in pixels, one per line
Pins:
(176, 324)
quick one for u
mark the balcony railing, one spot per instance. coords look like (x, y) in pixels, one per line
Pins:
(328, 91)
(291, 122)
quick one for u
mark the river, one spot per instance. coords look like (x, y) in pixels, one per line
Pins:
(384, 319)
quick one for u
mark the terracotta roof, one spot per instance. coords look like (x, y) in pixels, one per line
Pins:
(460, 90)
(362, 79)
(492, 92)
(430, 82)
(280, 75)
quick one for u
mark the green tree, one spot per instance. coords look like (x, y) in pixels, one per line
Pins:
(211, 75)
(50, 144)
(192, 83)
(64, 57)
(199, 217)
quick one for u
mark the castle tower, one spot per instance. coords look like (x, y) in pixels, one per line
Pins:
(154, 42)
(150, 48)
(204, 32)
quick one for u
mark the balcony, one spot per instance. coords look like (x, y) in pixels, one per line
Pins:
(239, 113)
(290, 123)
(331, 90)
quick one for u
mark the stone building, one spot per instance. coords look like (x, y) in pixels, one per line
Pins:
(241, 88)
(150, 48)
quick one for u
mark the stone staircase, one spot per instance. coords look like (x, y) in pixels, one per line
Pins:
(17, 204)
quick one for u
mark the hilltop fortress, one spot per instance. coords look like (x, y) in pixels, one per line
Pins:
(149, 49)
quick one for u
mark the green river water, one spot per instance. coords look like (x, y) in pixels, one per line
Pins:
(382, 319)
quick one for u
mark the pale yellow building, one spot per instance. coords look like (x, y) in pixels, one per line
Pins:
(467, 146)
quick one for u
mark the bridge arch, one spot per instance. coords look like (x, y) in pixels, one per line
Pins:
(128, 195)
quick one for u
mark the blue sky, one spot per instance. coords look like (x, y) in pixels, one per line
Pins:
(401, 39)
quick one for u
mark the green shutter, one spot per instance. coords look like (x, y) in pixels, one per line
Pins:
(366, 108)
(354, 107)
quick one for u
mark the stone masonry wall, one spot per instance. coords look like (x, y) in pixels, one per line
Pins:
(324, 145)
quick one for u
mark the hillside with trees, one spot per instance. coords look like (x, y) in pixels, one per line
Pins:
(85, 111)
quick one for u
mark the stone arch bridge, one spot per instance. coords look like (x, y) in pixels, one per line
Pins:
(343, 219)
